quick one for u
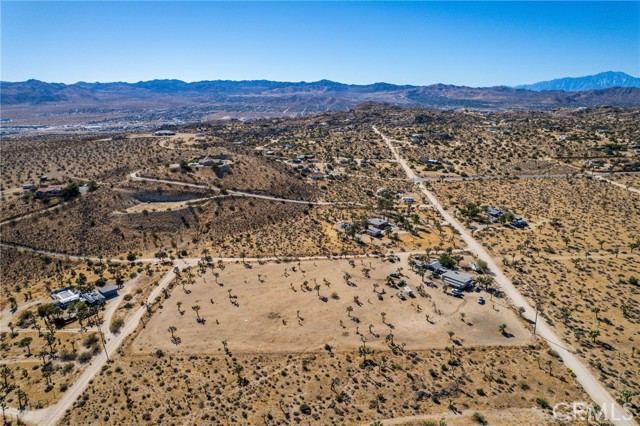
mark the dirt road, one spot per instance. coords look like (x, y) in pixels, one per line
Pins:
(134, 176)
(614, 411)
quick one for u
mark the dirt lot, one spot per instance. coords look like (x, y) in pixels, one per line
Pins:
(294, 320)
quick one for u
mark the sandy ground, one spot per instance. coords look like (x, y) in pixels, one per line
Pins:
(299, 321)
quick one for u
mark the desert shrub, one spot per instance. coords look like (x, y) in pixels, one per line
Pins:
(85, 357)
(543, 403)
(116, 325)
(68, 356)
(305, 409)
(90, 340)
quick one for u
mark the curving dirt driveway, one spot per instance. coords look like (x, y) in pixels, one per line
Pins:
(134, 176)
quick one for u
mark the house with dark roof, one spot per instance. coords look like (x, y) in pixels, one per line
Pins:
(49, 191)
(109, 291)
(378, 223)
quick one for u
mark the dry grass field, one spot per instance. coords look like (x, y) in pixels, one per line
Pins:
(300, 307)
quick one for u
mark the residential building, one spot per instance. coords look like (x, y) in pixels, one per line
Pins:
(109, 291)
(49, 191)
(457, 279)
(64, 297)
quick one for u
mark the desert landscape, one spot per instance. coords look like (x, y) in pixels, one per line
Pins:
(295, 271)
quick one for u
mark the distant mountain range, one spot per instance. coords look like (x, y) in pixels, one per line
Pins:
(37, 102)
(604, 80)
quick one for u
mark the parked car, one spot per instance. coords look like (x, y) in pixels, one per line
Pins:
(481, 300)
(176, 270)
(380, 296)
(475, 267)
(456, 293)
(401, 296)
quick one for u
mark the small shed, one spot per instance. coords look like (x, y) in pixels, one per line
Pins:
(109, 291)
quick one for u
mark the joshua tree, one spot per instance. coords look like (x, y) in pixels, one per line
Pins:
(383, 315)
(238, 370)
(26, 343)
(521, 310)
(50, 339)
(172, 329)
(196, 309)
(47, 372)
(594, 334)
(626, 395)
(349, 310)
(22, 398)
(450, 333)
(5, 373)
(363, 350)
(502, 328)
(179, 305)
(565, 313)
(317, 289)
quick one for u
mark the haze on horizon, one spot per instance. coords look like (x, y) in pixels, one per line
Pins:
(472, 44)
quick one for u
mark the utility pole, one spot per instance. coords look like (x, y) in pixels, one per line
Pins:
(535, 321)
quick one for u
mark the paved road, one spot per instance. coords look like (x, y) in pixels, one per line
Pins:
(615, 413)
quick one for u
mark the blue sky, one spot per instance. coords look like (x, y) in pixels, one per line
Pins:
(463, 43)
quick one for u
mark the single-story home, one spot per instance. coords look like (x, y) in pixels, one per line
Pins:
(408, 200)
(494, 212)
(457, 279)
(519, 222)
(372, 231)
(377, 222)
(64, 297)
(109, 291)
(164, 133)
(424, 160)
(92, 297)
(436, 267)
(49, 191)
(207, 161)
